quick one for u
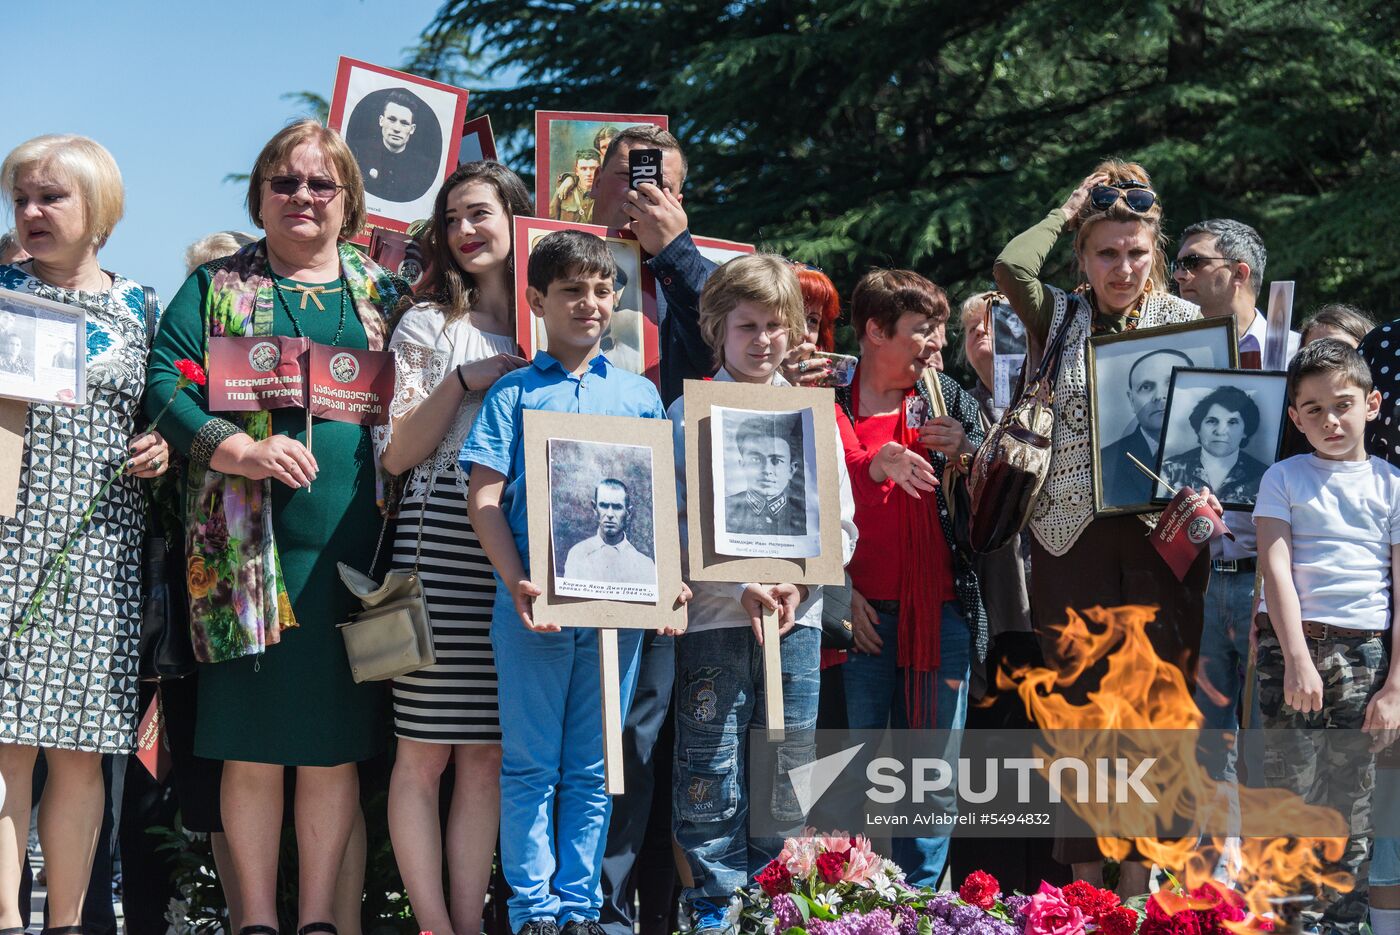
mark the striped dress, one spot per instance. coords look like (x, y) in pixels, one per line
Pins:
(454, 700)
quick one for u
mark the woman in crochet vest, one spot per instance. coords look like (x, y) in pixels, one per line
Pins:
(1120, 254)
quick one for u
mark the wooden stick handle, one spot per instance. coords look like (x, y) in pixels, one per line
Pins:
(1149, 472)
(611, 681)
(772, 676)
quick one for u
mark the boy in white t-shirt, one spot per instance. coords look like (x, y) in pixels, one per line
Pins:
(1328, 525)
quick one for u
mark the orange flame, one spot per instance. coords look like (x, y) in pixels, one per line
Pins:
(1138, 691)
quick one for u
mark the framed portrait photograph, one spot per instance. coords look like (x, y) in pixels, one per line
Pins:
(478, 142)
(43, 350)
(404, 132)
(631, 341)
(1222, 430)
(601, 520)
(605, 551)
(569, 148)
(1008, 349)
(765, 491)
(761, 466)
(1129, 378)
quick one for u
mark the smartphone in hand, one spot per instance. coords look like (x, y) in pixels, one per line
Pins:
(644, 165)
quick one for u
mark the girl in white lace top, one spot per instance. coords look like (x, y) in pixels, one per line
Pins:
(448, 351)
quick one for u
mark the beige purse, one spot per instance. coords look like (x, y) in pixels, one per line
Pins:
(393, 635)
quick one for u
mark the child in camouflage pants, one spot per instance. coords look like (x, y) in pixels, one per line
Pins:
(1329, 536)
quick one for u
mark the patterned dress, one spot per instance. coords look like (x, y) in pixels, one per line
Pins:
(69, 679)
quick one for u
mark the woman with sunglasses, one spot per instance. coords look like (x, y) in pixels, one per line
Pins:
(268, 518)
(1116, 221)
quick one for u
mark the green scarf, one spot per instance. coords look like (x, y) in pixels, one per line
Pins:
(238, 598)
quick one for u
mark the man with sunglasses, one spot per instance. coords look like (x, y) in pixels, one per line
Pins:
(1220, 267)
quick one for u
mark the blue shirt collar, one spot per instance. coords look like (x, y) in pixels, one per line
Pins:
(545, 361)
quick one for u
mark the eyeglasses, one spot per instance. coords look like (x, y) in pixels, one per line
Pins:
(1139, 197)
(1192, 262)
(322, 189)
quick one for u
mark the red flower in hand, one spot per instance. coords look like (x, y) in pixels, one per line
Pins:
(1089, 899)
(830, 865)
(1119, 920)
(775, 879)
(980, 889)
(191, 371)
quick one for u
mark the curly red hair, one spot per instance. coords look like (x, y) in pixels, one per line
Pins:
(820, 293)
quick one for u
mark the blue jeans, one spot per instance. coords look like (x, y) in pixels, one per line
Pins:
(554, 804)
(876, 699)
(1385, 852)
(719, 696)
(1220, 674)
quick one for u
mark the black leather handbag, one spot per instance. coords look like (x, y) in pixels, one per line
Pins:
(165, 650)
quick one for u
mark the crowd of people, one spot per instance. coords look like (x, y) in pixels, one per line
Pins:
(273, 727)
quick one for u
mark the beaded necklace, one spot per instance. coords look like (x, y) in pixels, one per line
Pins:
(286, 307)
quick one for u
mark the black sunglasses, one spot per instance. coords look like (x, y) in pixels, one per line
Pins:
(1192, 261)
(322, 189)
(1139, 197)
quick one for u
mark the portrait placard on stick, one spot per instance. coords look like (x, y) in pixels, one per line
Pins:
(570, 146)
(631, 341)
(603, 521)
(247, 374)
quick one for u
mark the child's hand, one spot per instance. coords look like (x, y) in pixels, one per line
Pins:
(681, 600)
(783, 598)
(523, 593)
(1302, 686)
(1383, 717)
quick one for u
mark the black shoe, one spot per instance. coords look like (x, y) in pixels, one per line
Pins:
(583, 927)
(539, 927)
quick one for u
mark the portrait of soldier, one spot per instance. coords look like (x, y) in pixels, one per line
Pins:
(608, 555)
(769, 449)
(573, 196)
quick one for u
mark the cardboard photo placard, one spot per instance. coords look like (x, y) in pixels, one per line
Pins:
(43, 348)
(570, 147)
(351, 384)
(247, 374)
(552, 499)
(702, 397)
(632, 341)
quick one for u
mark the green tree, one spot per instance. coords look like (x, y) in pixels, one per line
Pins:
(852, 133)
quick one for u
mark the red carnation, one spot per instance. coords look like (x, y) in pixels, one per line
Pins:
(1160, 922)
(1120, 920)
(775, 878)
(830, 865)
(191, 371)
(1089, 899)
(1229, 907)
(980, 889)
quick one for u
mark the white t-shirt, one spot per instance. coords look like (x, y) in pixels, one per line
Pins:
(1345, 516)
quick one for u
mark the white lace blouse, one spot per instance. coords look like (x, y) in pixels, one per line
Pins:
(426, 349)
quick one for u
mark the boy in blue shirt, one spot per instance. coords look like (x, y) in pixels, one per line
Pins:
(554, 804)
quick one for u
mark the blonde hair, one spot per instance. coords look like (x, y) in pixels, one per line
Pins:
(1119, 171)
(84, 163)
(761, 278)
(216, 245)
(279, 150)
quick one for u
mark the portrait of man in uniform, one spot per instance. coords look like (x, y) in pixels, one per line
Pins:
(608, 555)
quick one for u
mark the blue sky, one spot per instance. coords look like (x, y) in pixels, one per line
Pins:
(183, 93)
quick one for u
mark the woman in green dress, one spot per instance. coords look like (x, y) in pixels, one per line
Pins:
(268, 518)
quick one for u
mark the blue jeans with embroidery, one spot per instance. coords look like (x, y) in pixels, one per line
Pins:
(876, 699)
(719, 698)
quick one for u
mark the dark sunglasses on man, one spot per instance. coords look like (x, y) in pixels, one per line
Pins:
(1192, 262)
(1139, 197)
(322, 189)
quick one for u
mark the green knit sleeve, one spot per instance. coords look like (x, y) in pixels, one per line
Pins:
(181, 337)
(1017, 273)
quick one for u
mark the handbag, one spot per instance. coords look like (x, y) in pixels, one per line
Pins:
(1010, 467)
(164, 650)
(837, 629)
(393, 635)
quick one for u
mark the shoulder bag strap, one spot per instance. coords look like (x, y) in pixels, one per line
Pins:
(150, 295)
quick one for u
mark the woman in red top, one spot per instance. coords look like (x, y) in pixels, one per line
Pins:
(918, 614)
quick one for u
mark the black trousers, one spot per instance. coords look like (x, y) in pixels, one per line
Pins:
(641, 816)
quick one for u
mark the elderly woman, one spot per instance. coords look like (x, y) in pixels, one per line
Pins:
(914, 632)
(69, 652)
(1224, 421)
(1081, 561)
(275, 690)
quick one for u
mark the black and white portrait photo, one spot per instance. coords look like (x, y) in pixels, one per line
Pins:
(1223, 429)
(765, 498)
(404, 132)
(601, 520)
(1008, 349)
(1130, 376)
(39, 357)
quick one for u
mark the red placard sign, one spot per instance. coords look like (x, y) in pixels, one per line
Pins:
(247, 374)
(351, 385)
(151, 747)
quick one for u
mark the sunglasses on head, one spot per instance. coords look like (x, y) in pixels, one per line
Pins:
(1139, 197)
(322, 189)
(1192, 262)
